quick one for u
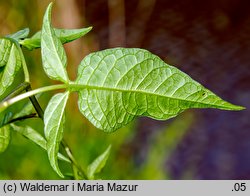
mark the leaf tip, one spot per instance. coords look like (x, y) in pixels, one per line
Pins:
(59, 173)
(48, 10)
(238, 107)
(90, 28)
(54, 164)
(50, 5)
(230, 106)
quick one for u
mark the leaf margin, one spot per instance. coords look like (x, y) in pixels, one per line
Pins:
(84, 87)
(54, 133)
(53, 54)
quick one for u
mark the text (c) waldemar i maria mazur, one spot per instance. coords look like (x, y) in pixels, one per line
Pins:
(77, 187)
(108, 187)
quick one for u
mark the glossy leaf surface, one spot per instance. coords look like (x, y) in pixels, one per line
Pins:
(53, 55)
(54, 119)
(116, 85)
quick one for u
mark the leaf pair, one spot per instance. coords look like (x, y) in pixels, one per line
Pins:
(54, 64)
(11, 61)
(115, 86)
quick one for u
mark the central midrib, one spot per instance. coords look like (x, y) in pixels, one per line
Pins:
(78, 87)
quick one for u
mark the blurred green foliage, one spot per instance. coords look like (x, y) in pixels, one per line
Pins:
(24, 160)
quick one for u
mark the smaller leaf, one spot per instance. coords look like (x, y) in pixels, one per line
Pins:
(20, 34)
(65, 36)
(5, 46)
(4, 137)
(97, 165)
(54, 120)
(68, 35)
(13, 64)
(35, 137)
(53, 54)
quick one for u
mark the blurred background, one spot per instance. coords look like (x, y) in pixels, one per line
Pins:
(209, 40)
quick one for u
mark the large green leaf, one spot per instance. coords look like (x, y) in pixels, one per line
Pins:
(53, 127)
(53, 54)
(115, 85)
(65, 36)
(35, 137)
(13, 64)
(97, 165)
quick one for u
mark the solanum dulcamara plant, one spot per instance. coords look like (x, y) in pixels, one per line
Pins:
(114, 87)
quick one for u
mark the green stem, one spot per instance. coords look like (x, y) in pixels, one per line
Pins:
(23, 86)
(26, 86)
(7, 103)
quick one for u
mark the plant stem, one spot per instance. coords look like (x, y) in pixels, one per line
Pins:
(23, 118)
(26, 86)
(7, 103)
(35, 104)
(75, 165)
